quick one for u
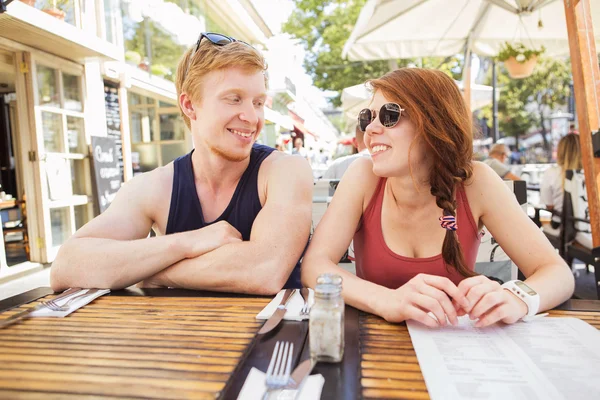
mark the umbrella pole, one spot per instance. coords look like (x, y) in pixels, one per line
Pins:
(467, 79)
(495, 132)
(586, 76)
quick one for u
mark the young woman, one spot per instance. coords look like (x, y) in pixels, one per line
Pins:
(415, 212)
(568, 156)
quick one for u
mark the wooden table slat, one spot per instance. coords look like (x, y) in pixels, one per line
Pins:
(136, 347)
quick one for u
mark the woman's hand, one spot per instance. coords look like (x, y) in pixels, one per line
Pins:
(491, 303)
(422, 295)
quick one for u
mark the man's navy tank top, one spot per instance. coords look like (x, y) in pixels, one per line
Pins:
(185, 212)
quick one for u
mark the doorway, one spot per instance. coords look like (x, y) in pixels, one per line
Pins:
(14, 240)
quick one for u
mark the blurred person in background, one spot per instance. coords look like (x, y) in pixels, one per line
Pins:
(337, 169)
(299, 148)
(498, 155)
(553, 182)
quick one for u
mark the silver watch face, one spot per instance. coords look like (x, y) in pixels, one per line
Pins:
(525, 288)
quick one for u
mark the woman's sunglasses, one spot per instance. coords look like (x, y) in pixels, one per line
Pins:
(389, 115)
(217, 39)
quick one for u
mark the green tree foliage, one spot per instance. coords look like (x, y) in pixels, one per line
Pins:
(547, 88)
(323, 27)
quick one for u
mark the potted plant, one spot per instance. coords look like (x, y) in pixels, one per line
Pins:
(518, 59)
(55, 8)
(29, 2)
(133, 57)
(160, 70)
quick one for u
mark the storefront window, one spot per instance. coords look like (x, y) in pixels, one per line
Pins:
(142, 125)
(83, 214)
(72, 92)
(172, 127)
(153, 40)
(172, 151)
(61, 226)
(150, 47)
(76, 135)
(52, 130)
(64, 10)
(158, 133)
(111, 10)
(64, 158)
(47, 87)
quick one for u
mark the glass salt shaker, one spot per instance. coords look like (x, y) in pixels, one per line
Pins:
(326, 322)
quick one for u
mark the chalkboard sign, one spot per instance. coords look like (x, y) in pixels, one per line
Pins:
(107, 175)
(113, 121)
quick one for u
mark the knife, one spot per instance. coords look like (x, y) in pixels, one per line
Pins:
(292, 390)
(24, 314)
(302, 371)
(278, 315)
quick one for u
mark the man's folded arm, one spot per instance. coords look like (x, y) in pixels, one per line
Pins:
(280, 232)
(114, 250)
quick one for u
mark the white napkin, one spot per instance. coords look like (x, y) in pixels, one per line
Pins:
(80, 302)
(293, 308)
(254, 388)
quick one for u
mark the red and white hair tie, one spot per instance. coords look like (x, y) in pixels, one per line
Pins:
(448, 222)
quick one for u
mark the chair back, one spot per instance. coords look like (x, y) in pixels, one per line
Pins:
(492, 261)
(575, 205)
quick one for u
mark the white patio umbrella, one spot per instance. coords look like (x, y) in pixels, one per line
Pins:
(393, 29)
(355, 98)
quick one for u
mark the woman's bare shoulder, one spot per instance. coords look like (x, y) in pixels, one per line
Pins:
(359, 178)
(483, 188)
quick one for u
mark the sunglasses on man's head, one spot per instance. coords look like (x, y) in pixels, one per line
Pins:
(217, 39)
(389, 115)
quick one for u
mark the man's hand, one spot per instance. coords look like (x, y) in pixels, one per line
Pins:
(209, 238)
(197, 243)
(421, 295)
(491, 303)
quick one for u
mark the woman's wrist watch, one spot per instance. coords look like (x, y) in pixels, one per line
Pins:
(526, 294)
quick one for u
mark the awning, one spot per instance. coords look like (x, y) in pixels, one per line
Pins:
(34, 28)
(393, 29)
(282, 120)
(299, 125)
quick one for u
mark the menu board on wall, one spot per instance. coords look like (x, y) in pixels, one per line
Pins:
(107, 175)
(113, 121)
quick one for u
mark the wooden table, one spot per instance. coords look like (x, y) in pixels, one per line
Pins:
(175, 344)
(129, 346)
(389, 366)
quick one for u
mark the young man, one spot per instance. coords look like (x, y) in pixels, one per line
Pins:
(229, 216)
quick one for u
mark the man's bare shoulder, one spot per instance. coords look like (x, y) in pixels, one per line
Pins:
(156, 181)
(280, 171)
(294, 166)
(147, 190)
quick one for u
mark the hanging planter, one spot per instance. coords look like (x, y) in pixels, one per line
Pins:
(519, 60)
(518, 70)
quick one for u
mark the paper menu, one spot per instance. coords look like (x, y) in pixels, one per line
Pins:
(550, 358)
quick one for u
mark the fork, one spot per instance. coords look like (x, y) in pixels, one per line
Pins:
(280, 367)
(52, 305)
(305, 310)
